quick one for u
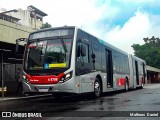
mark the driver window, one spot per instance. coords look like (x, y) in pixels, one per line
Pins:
(79, 56)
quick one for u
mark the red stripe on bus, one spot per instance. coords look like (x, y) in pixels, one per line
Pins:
(141, 81)
(49, 79)
(121, 81)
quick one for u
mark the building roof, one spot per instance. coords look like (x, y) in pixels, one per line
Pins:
(8, 18)
(149, 68)
(14, 10)
(36, 10)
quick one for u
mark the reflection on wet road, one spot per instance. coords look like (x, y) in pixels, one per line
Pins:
(147, 99)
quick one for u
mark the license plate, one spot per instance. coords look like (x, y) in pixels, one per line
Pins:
(43, 90)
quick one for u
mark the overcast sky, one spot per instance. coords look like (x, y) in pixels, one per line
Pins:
(119, 22)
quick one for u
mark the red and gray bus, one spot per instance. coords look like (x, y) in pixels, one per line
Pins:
(70, 60)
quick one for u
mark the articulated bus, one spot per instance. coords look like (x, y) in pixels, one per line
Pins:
(70, 60)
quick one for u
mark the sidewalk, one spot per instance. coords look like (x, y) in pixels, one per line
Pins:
(152, 86)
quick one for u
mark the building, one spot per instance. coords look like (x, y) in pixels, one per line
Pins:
(153, 75)
(32, 17)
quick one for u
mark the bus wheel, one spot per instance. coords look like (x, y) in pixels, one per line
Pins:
(126, 86)
(97, 88)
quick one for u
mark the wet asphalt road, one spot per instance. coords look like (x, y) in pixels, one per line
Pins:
(147, 99)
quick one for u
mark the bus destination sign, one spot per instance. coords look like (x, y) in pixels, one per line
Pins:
(51, 33)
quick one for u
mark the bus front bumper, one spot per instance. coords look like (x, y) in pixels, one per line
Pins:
(67, 87)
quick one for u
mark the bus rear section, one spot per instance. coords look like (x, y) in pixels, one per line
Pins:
(138, 72)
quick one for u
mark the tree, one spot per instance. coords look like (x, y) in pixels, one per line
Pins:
(150, 51)
(46, 25)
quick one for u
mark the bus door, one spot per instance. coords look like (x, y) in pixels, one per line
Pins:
(109, 68)
(137, 74)
(144, 73)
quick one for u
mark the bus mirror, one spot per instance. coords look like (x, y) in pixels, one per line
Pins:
(79, 40)
(93, 56)
(18, 41)
(93, 61)
(83, 50)
(78, 51)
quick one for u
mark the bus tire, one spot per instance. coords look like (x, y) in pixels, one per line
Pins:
(97, 88)
(126, 86)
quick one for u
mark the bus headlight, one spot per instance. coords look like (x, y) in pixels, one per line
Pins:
(25, 78)
(66, 77)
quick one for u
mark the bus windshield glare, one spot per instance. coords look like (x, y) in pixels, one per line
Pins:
(48, 54)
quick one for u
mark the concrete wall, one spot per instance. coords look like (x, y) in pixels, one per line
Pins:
(9, 32)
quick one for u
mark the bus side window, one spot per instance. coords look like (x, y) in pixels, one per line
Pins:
(81, 56)
(78, 51)
(115, 62)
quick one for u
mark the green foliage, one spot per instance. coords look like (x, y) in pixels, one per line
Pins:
(150, 51)
(46, 25)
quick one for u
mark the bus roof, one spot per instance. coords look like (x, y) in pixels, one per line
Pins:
(46, 29)
(111, 46)
(107, 44)
(137, 58)
(73, 27)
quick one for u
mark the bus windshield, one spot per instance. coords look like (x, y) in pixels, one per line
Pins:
(48, 54)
